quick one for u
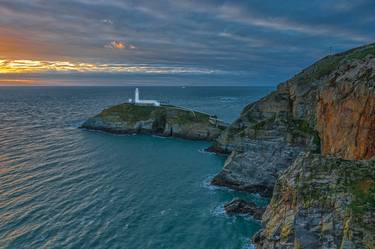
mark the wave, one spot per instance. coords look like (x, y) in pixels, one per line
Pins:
(228, 99)
(204, 151)
(247, 244)
(219, 211)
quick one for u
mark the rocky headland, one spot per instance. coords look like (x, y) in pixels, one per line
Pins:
(164, 120)
(329, 107)
(309, 145)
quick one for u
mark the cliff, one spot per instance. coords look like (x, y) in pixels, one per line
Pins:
(328, 107)
(321, 202)
(165, 120)
(346, 111)
(309, 144)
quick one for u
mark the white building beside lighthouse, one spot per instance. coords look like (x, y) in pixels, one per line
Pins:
(139, 101)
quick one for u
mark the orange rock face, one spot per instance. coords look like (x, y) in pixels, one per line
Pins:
(346, 113)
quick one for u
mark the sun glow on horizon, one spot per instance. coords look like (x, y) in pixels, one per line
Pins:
(18, 82)
(43, 66)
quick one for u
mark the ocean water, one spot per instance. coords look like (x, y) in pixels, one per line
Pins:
(63, 187)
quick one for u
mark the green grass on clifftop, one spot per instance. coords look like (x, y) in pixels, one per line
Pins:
(129, 112)
(132, 113)
(329, 63)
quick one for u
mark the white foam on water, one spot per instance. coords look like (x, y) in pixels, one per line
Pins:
(207, 183)
(76, 124)
(246, 243)
(228, 99)
(219, 211)
(204, 151)
(157, 136)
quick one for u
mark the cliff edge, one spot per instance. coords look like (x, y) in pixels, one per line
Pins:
(311, 146)
(329, 107)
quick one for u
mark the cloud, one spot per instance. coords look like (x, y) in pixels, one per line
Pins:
(261, 38)
(115, 45)
(107, 21)
(237, 14)
(130, 46)
(252, 42)
(35, 66)
(119, 45)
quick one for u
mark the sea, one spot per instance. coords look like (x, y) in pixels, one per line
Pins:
(65, 187)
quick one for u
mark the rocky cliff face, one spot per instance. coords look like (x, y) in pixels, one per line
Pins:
(264, 140)
(346, 111)
(321, 202)
(329, 106)
(165, 120)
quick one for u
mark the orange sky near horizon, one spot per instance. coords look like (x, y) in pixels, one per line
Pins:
(173, 42)
(10, 82)
(23, 44)
(21, 52)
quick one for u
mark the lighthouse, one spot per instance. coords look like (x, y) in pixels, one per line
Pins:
(139, 101)
(136, 97)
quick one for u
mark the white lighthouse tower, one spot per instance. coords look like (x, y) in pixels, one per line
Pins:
(136, 97)
(143, 101)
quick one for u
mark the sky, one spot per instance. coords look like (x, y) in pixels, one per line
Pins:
(174, 42)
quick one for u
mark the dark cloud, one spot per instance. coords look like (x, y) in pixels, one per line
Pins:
(251, 41)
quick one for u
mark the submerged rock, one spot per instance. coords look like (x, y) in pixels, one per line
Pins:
(321, 202)
(165, 120)
(238, 206)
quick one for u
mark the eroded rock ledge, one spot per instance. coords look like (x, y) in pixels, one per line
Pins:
(239, 206)
(165, 120)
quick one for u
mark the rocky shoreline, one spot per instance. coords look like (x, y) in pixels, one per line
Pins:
(308, 145)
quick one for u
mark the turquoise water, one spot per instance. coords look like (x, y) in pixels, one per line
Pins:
(63, 187)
